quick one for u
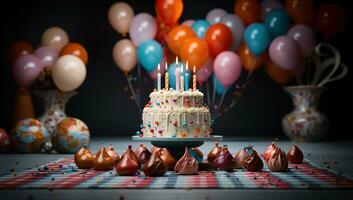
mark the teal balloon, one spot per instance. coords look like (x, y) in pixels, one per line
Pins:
(171, 73)
(218, 87)
(257, 38)
(200, 27)
(149, 54)
(277, 22)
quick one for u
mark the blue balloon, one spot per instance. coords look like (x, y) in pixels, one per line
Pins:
(149, 54)
(200, 27)
(257, 38)
(277, 22)
(220, 89)
(171, 72)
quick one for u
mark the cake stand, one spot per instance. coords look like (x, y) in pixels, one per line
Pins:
(176, 146)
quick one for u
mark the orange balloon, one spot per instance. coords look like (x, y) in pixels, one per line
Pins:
(219, 38)
(249, 61)
(301, 11)
(17, 49)
(169, 10)
(195, 52)
(177, 36)
(75, 49)
(248, 10)
(163, 30)
(277, 74)
(331, 20)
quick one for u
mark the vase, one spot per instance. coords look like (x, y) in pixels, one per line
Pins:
(54, 102)
(305, 122)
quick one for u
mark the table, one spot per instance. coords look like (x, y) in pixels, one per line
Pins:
(336, 154)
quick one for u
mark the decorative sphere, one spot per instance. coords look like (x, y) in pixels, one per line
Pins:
(70, 135)
(29, 135)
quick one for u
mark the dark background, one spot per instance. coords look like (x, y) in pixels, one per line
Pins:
(104, 105)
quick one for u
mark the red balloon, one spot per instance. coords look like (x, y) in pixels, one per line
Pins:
(169, 10)
(219, 38)
(248, 10)
(163, 30)
(331, 20)
(302, 11)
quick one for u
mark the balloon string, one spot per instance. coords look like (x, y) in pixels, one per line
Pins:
(128, 79)
(215, 116)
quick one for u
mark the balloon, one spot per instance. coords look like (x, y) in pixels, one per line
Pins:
(143, 27)
(257, 38)
(269, 5)
(215, 15)
(163, 30)
(149, 54)
(171, 72)
(46, 55)
(177, 36)
(153, 74)
(285, 52)
(219, 38)
(188, 22)
(277, 22)
(301, 11)
(331, 20)
(248, 10)
(120, 16)
(218, 87)
(169, 10)
(170, 55)
(55, 37)
(200, 27)
(236, 25)
(277, 74)
(249, 61)
(17, 49)
(125, 55)
(75, 49)
(26, 69)
(195, 51)
(68, 73)
(305, 37)
(205, 71)
(227, 67)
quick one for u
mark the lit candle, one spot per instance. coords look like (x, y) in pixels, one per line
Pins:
(194, 79)
(187, 77)
(182, 78)
(166, 77)
(159, 78)
(177, 78)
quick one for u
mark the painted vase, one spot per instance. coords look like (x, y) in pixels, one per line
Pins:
(305, 122)
(54, 110)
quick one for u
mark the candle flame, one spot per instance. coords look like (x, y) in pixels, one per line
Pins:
(159, 67)
(187, 65)
(166, 66)
(194, 69)
(176, 60)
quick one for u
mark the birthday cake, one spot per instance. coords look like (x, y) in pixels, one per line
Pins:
(180, 114)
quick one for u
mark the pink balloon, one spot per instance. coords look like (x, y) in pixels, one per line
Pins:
(227, 67)
(143, 27)
(46, 55)
(285, 52)
(153, 74)
(205, 71)
(188, 22)
(305, 37)
(26, 69)
(269, 5)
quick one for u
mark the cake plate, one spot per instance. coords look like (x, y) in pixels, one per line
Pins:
(176, 146)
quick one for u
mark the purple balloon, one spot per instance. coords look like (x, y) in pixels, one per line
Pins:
(215, 15)
(205, 71)
(227, 67)
(46, 55)
(269, 5)
(143, 27)
(236, 25)
(305, 37)
(285, 52)
(26, 69)
(188, 22)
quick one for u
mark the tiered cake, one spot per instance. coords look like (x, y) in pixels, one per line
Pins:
(180, 114)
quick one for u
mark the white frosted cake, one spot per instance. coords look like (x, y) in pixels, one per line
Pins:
(176, 114)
